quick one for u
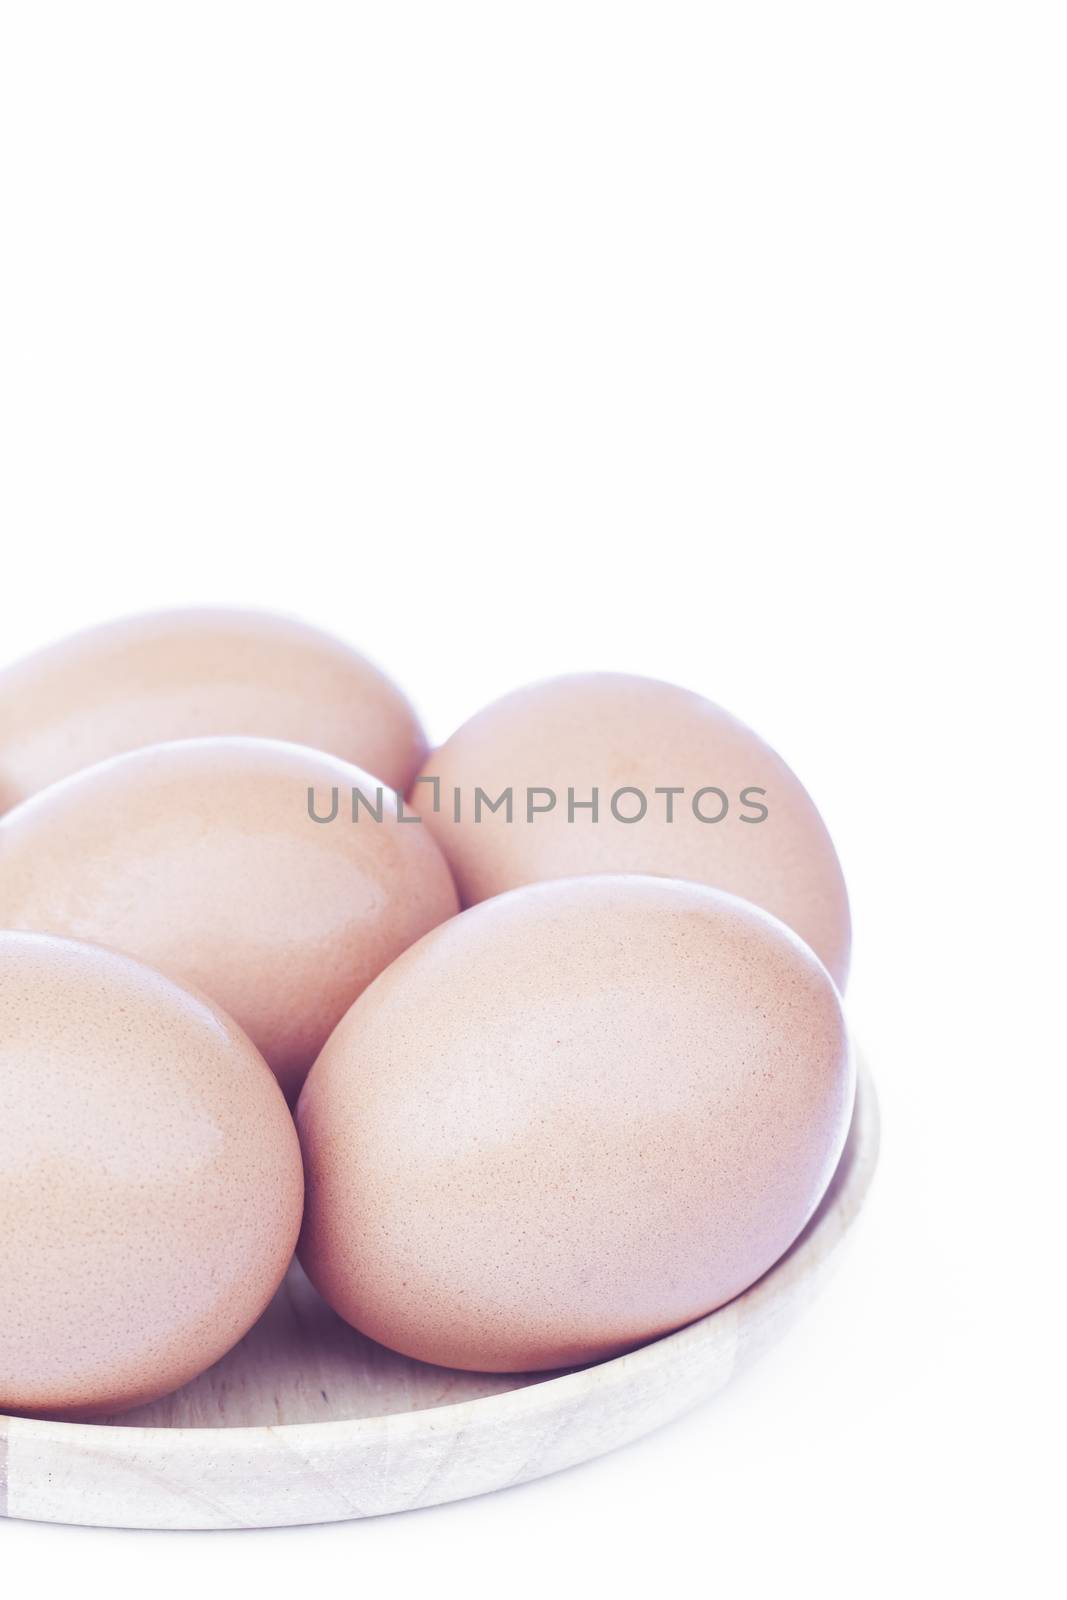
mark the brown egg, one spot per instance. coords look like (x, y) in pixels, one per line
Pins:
(184, 674)
(569, 1120)
(150, 1180)
(202, 858)
(739, 819)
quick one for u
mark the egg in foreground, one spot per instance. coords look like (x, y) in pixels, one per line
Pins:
(150, 1181)
(680, 788)
(571, 1119)
(202, 858)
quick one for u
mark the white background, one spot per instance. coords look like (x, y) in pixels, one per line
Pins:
(725, 343)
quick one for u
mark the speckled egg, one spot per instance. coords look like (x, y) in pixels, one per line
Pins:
(682, 789)
(569, 1120)
(150, 1181)
(187, 674)
(208, 859)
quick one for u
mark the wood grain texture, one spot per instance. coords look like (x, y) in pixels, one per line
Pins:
(307, 1421)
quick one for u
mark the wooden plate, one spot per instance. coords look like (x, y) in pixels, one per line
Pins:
(307, 1421)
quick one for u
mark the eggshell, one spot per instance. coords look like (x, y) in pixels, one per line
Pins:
(187, 674)
(569, 1120)
(201, 858)
(150, 1180)
(609, 731)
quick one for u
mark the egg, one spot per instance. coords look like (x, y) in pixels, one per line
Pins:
(569, 1120)
(235, 866)
(681, 789)
(150, 1181)
(187, 674)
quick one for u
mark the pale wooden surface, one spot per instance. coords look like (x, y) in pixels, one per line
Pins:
(306, 1421)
